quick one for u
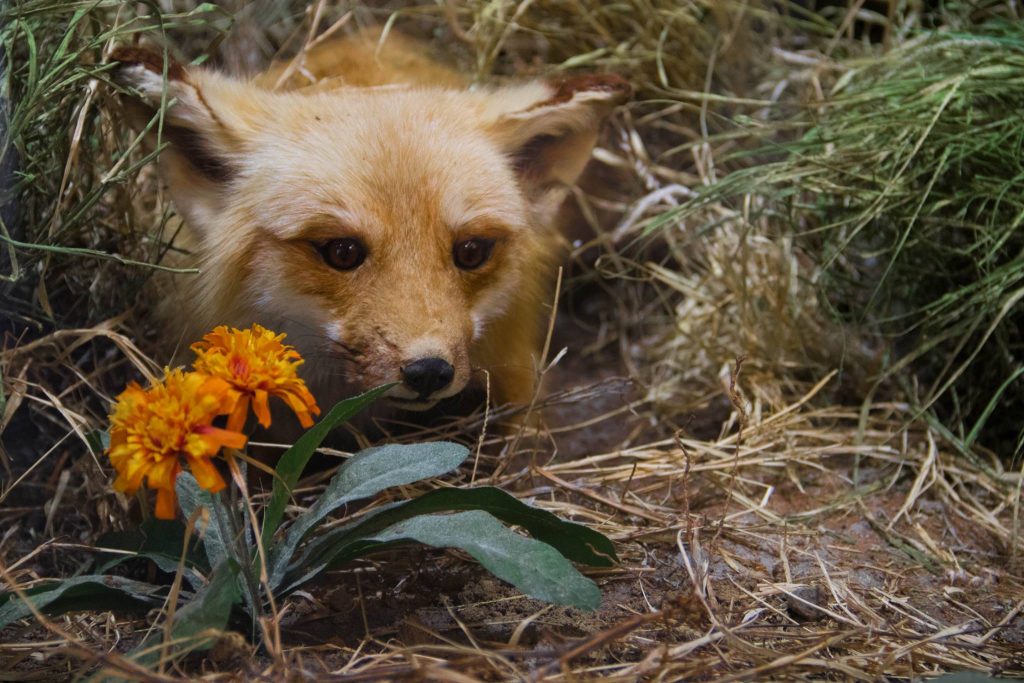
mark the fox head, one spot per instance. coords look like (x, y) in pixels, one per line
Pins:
(389, 231)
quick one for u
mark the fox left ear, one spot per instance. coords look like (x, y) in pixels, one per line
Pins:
(549, 130)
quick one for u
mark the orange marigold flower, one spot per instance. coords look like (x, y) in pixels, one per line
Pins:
(258, 365)
(152, 430)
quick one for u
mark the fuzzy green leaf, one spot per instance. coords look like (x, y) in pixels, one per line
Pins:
(195, 624)
(293, 461)
(366, 474)
(216, 531)
(210, 609)
(158, 540)
(533, 567)
(576, 541)
(91, 592)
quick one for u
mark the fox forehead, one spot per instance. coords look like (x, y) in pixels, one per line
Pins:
(377, 160)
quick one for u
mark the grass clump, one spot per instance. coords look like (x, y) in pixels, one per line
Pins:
(907, 193)
(920, 165)
(81, 217)
(916, 171)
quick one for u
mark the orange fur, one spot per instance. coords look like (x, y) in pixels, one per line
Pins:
(361, 60)
(358, 139)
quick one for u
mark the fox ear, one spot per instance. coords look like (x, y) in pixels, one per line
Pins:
(549, 130)
(198, 164)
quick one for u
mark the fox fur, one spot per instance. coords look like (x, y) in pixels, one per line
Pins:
(369, 139)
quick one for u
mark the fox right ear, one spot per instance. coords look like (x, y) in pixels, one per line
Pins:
(193, 128)
(203, 131)
(549, 129)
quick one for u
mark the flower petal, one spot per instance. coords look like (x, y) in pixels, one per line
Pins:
(166, 503)
(163, 474)
(132, 474)
(217, 438)
(118, 437)
(154, 429)
(206, 474)
(125, 485)
(257, 363)
(260, 406)
(236, 421)
(301, 409)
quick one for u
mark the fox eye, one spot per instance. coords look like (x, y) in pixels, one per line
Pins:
(472, 253)
(346, 253)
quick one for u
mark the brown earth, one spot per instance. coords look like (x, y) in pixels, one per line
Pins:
(781, 559)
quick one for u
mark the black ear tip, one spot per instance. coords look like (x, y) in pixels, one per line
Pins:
(149, 59)
(617, 87)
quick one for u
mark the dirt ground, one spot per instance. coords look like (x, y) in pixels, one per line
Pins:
(700, 581)
(784, 551)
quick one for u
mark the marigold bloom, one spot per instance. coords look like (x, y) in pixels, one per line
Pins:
(257, 364)
(152, 430)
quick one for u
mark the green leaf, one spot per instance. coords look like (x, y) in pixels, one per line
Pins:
(226, 536)
(363, 475)
(966, 677)
(91, 592)
(159, 540)
(576, 541)
(209, 610)
(216, 530)
(98, 440)
(211, 607)
(533, 567)
(293, 461)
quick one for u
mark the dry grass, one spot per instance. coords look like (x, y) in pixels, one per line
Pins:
(775, 518)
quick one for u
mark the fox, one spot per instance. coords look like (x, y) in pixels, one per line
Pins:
(397, 223)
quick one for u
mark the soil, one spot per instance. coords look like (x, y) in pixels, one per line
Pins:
(799, 577)
(819, 556)
(421, 598)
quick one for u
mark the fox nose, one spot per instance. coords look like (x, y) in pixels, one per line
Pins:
(427, 375)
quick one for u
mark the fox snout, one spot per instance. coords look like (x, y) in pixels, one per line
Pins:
(424, 382)
(369, 352)
(427, 375)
